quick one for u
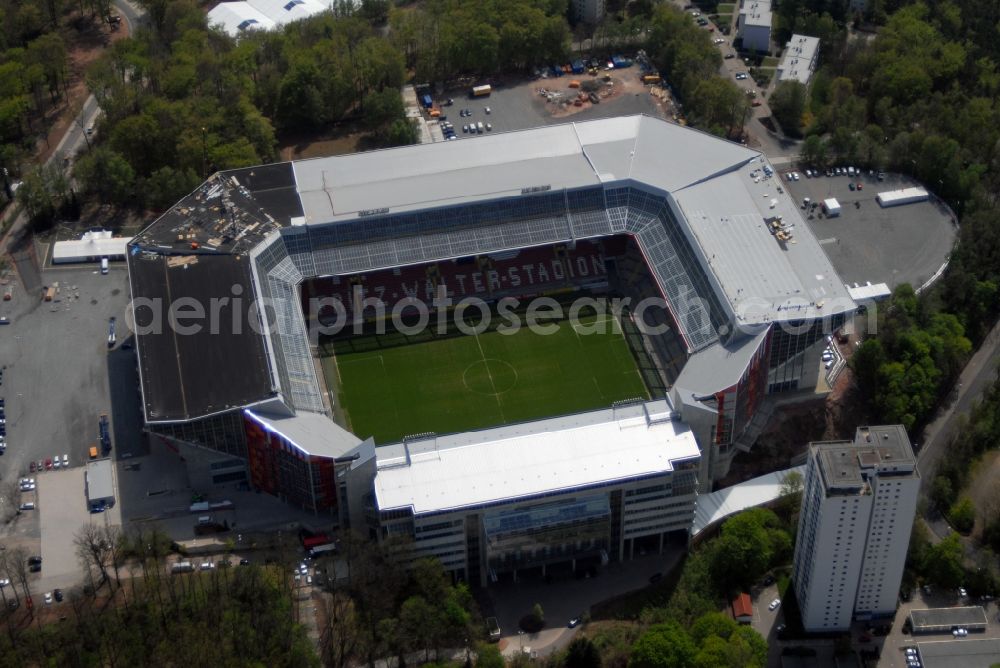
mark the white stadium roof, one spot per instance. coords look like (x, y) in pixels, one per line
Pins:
(312, 433)
(718, 185)
(445, 473)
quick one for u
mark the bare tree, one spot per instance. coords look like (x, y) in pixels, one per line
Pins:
(10, 497)
(338, 641)
(92, 550)
(114, 539)
(17, 568)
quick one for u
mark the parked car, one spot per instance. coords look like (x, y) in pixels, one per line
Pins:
(58, 595)
(573, 623)
(774, 604)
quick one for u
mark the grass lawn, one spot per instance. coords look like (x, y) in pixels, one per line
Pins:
(770, 61)
(470, 382)
(725, 19)
(725, 7)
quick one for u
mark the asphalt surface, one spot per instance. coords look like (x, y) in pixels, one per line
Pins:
(979, 374)
(903, 244)
(56, 381)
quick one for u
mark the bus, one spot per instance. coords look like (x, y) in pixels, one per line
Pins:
(481, 91)
(111, 333)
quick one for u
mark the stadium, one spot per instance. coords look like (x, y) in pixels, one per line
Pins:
(277, 312)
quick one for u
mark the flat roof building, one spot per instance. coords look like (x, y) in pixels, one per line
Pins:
(798, 62)
(753, 25)
(943, 620)
(589, 487)
(858, 505)
(100, 483)
(962, 653)
(236, 18)
(90, 247)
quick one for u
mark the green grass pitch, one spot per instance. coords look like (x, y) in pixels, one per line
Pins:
(472, 382)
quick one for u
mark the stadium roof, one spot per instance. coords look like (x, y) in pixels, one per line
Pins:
(718, 366)
(725, 244)
(444, 473)
(212, 369)
(312, 433)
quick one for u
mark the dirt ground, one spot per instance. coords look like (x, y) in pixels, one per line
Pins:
(984, 488)
(88, 40)
(560, 102)
(335, 143)
(792, 427)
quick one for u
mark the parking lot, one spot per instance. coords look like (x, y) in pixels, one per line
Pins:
(518, 106)
(62, 512)
(903, 244)
(56, 383)
(55, 380)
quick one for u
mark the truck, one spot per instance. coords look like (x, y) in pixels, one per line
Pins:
(651, 79)
(50, 293)
(182, 567)
(104, 433)
(93, 452)
(112, 338)
(482, 91)
(426, 101)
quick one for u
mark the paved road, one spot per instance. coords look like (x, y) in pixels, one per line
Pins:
(75, 138)
(979, 374)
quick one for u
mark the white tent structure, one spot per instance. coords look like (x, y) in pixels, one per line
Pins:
(903, 196)
(93, 246)
(832, 207)
(235, 18)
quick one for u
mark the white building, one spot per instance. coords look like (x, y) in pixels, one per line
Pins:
(798, 62)
(570, 492)
(753, 25)
(588, 11)
(858, 505)
(235, 18)
(90, 247)
(100, 484)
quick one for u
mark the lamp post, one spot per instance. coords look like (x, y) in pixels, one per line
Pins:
(520, 638)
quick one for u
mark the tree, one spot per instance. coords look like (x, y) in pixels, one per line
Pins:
(663, 646)
(582, 653)
(107, 175)
(790, 496)
(963, 515)
(788, 104)
(743, 552)
(488, 656)
(943, 562)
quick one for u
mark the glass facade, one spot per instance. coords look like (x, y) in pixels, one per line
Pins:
(536, 534)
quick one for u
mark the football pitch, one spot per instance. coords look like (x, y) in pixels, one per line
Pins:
(470, 382)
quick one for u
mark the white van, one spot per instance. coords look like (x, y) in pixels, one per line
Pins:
(104, 265)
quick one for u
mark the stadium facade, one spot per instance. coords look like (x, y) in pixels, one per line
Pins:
(634, 207)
